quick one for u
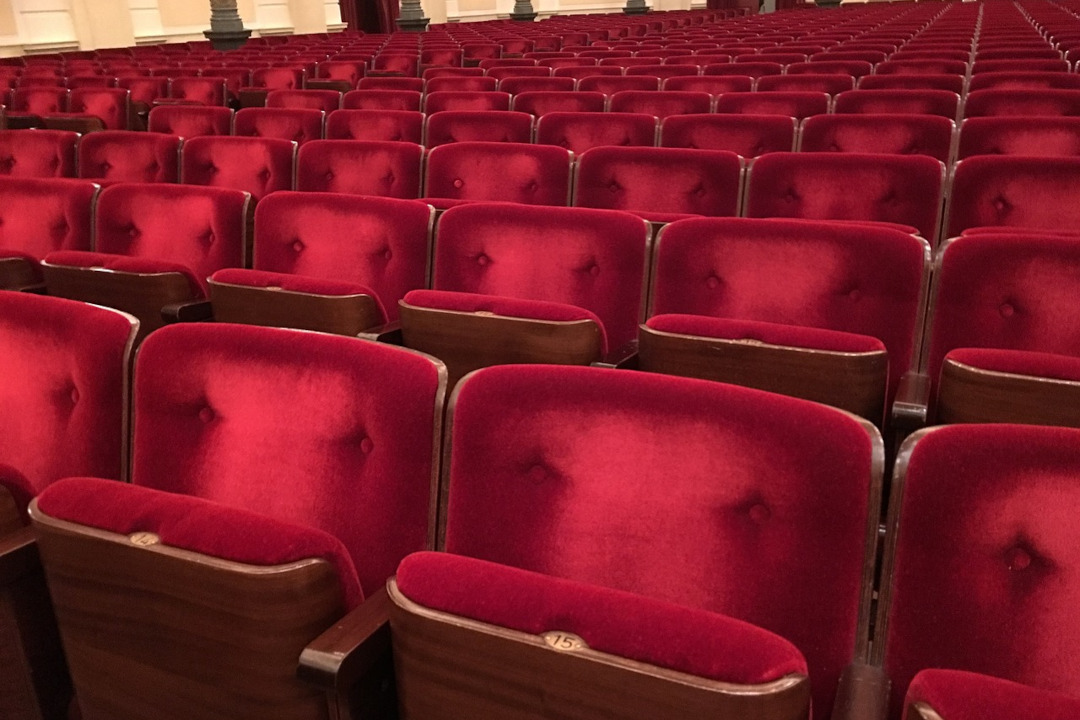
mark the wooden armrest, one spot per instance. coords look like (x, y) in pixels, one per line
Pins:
(910, 406)
(623, 358)
(18, 555)
(191, 311)
(863, 694)
(342, 655)
(389, 333)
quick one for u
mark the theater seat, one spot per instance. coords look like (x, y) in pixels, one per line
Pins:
(38, 154)
(519, 283)
(327, 262)
(495, 171)
(959, 695)
(129, 156)
(896, 134)
(255, 165)
(1020, 135)
(451, 126)
(241, 578)
(190, 121)
(746, 135)
(706, 498)
(385, 169)
(376, 125)
(579, 131)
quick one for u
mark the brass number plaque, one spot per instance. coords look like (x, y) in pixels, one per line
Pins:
(144, 539)
(564, 641)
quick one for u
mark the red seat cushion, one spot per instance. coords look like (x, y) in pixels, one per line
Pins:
(766, 332)
(124, 263)
(290, 283)
(1019, 362)
(635, 627)
(958, 695)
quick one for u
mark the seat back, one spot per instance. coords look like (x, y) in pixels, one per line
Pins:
(831, 83)
(38, 154)
(451, 126)
(386, 169)
(793, 104)
(473, 100)
(747, 135)
(45, 215)
(872, 133)
(380, 243)
(919, 102)
(190, 121)
(297, 124)
(655, 182)
(979, 533)
(1020, 135)
(256, 165)
(1008, 101)
(376, 125)
(508, 172)
(542, 102)
(359, 422)
(1020, 80)
(39, 100)
(899, 189)
(204, 91)
(130, 156)
(202, 228)
(382, 99)
(325, 100)
(111, 105)
(720, 519)
(579, 131)
(660, 103)
(1016, 191)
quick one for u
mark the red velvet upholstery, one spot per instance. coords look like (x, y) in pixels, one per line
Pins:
(542, 102)
(397, 84)
(277, 78)
(1020, 135)
(919, 102)
(747, 135)
(123, 263)
(831, 83)
(1018, 80)
(39, 216)
(660, 103)
(293, 283)
(663, 71)
(378, 243)
(297, 124)
(190, 121)
(386, 169)
(660, 184)
(904, 189)
(39, 100)
(707, 495)
(110, 105)
(897, 134)
(256, 165)
(1007, 101)
(200, 228)
(516, 84)
(63, 380)
(749, 69)
(1020, 64)
(296, 426)
(579, 131)
(349, 70)
(920, 66)
(145, 90)
(504, 307)
(1015, 191)
(18, 487)
(197, 525)
(1010, 292)
(204, 91)
(325, 100)
(712, 84)
(130, 156)
(849, 278)
(509, 172)
(793, 104)
(485, 125)
(980, 580)
(664, 634)
(593, 259)
(37, 154)
(382, 99)
(467, 83)
(465, 100)
(931, 81)
(766, 332)
(959, 695)
(376, 125)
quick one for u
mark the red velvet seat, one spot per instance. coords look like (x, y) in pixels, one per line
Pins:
(785, 327)
(517, 283)
(919, 102)
(975, 576)
(751, 69)
(1014, 191)
(712, 84)
(40, 216)
(578, 132)
(1020, 80)
(959, 695)
(793, 104)
(831, 83)
(382, 99)
(203, 91)
(64, 396)
(747, 135)
(495, 171)
(1007, 101)
(349, 433)
(256, 165)
(929, 81)
(515, 84)
(40, 154)
(93, 108)
(869, 133)
(376, 125)
(385, 169)
(451, 126)
(660, 184)
(465, 100)
(130, 156)
(413, 84)
(1058, 64)
(461, 84)
(330, 262)
(898, 189)
(1020, 135)
(681, 484)
(297, 124)
(542, 102)
(660, 103)
(159, 243)
(325, 100)
(922, 66)
(189, 121)
(611, 84)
